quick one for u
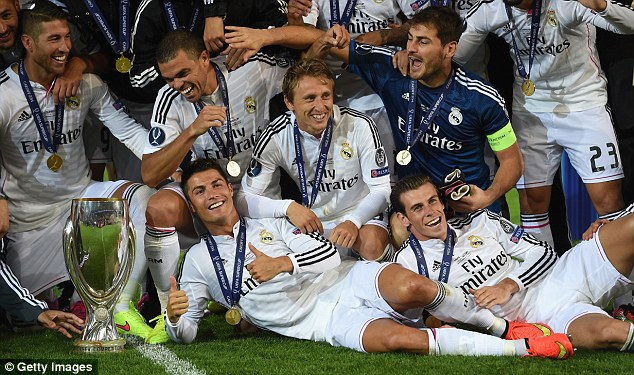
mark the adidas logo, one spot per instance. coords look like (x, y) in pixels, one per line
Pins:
(435, 266)
(24, 116)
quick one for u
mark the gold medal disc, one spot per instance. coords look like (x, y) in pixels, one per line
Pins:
(233, 316)
(54, 162)
(403, 157)
(528, 87)
(233, 168)
(123, 64)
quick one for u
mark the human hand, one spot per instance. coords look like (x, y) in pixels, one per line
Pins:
(592, 229)
(475, 200)
(498, 294)
(304, 218)
(61, 321)
(67, 84)
(298, 9)
(264, 267)
(209, 116)
(400, 61)
(177, 302)
(345, 234)
(214, 34)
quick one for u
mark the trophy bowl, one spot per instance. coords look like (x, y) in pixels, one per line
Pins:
(99, 252)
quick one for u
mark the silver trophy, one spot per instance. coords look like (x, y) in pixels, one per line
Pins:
(99, 252)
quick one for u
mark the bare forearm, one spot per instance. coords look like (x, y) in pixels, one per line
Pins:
(159, 165)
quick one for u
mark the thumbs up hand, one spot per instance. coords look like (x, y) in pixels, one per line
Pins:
(264, 267)
(177, 303)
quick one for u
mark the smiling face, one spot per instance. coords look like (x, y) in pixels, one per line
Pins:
(47, 52)
(192, 77)
(8, 23)
(211, 197)
(312, 103)
(429, 60)
(424, 213)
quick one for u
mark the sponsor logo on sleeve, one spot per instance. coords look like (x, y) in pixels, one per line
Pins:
(380, 172)
(254, 168)
(379, 157)
(418, 4)
(506, 226)
(517, 234)
(117, 104)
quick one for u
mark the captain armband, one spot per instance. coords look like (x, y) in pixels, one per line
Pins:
(502, 139)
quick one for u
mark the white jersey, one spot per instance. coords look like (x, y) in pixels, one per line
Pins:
(250, 88)
(36, 194)
(566, 69)
(298, 305)
(355, 184)
(368, 15)
(488, 249)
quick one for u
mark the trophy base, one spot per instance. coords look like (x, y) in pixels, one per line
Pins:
(112, 346)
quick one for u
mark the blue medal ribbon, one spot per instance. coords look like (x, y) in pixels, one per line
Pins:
(229, 149)
(230, 293)
(344, 19)
(123, 44)
(50, 144)
(172, 19)
(447, 256)
(428, 118)
(535, 18)
(321, 163)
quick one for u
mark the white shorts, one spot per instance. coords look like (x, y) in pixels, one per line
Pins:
(587, 136)
(36, 257)
(582, 282)
(359, 305)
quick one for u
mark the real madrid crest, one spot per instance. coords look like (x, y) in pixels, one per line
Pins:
(249, 104)
(552, 19)
(73, 102)
(346, 151)
(476, 241)
(455, 116)
(266, 237)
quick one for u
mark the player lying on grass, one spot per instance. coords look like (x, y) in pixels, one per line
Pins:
(298, 286)
(516, 276)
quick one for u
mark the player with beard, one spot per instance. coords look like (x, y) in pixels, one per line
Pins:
(42, 153)
(296, 285)
(516, 276)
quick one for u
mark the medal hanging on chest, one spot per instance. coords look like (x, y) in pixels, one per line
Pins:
(231, 296)
(121, 46)
(228, 150)
(528, 86)
(54, 161)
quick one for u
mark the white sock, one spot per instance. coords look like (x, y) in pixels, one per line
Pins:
(162, 251)
(453, 305)
(454, 341)
(629, 342)
(539, 226)
(137, 196)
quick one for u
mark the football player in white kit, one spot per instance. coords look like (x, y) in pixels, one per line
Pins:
(559, 95)
(516, 276)
(334, 155)
(214, 114)
(297, 285)
(43, 158)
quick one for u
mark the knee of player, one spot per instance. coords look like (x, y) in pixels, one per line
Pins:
(610, 334)
(164, 208)
(419, 290)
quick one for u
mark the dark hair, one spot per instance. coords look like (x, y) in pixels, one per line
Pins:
(36, 12)
(448, 24)
(179, 40)
(306, 67)
(406, 184)
(197, 166)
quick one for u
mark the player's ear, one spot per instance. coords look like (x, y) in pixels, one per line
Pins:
(403, 219)
(288, 103)
(27, 42)
(230, 187)
(450, 49)
(204, 56)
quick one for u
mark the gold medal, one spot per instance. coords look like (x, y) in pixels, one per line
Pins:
(54, 162)
(528, 87)
(233, 316)
(233, 168)
(123, 64)
(403, 157)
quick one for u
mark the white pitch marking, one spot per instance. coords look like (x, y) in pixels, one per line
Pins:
(159, 354)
